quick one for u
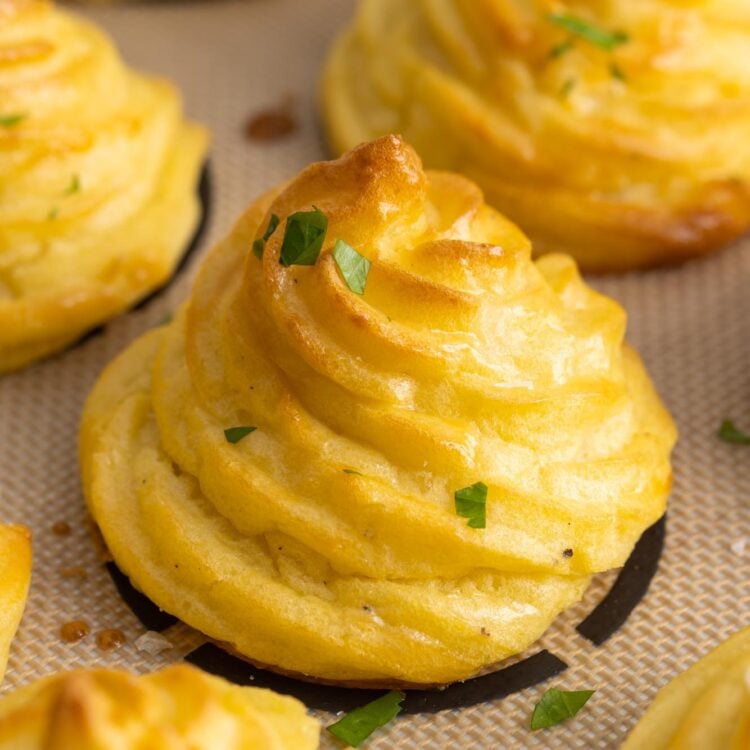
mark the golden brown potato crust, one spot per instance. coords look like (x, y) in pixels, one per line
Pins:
(624, 157)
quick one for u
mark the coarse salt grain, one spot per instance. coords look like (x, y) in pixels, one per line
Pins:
(152, 643)
(739, 546)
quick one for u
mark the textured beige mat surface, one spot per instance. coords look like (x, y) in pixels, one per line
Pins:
(692, 325)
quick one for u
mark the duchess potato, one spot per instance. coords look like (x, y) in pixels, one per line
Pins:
(705, 708)
(617, 132)
(15, 576)
(98, 174)
(178, 707)
(326, 542)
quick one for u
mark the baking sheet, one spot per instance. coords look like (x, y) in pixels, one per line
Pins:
(692, 325)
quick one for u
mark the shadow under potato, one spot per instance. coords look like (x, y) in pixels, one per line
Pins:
(609, 615)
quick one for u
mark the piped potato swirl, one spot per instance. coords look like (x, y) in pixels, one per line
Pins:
(707, 707)
(98, 177)
(15, 577)
(177, 707)
(326, 542)
(615, 131)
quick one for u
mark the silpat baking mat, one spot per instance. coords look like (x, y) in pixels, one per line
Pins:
(692, 325)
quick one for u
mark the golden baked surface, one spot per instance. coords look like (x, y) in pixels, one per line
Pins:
(98, 174)
(327, 541)
(705, 708)
(625, 151)
(178, 707)
(15, 576)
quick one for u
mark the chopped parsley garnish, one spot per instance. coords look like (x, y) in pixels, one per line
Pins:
(607, 40)
(471, 503)
(353, 471)
(567, 87)
(303, 238)
(557, 706)
(729, 433)
(560, 49)
(74, 186)
(260, 244)
(53, 214)
(353, 266)
(617, 72)
(10, 121)
(235, 434)
(358, 725)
